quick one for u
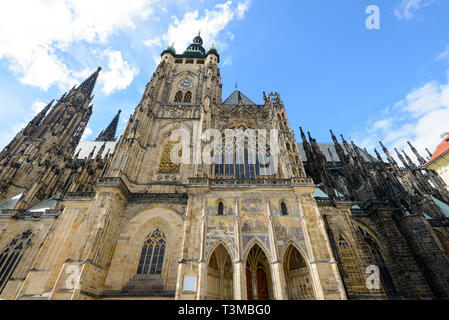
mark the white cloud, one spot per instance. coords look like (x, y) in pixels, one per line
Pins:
(443, 56)
(408, 8)
(87, 132)
(40, 42)
(153, 42)
(211, 24)
(6, 136)
(242, 8)
(421, 117)
(38, 106)
(156, 59)
(120, 73)
(227, 62)
(32, 39)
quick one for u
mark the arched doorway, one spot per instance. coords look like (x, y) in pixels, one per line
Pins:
(299, 281)
(220, 275)
(258, 275)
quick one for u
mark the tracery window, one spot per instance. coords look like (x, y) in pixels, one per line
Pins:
(166, 165)
(152, 255)
(243, 159)
(351, 267)
(11, 256)
(188, 97)
(178, 96)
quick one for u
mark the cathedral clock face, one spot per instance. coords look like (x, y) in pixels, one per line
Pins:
(185, 84)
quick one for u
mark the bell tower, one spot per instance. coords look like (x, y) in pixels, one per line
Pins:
(181, 94)
(50, 137)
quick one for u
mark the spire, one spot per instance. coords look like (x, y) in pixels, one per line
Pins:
(87, 87)
(338, 148)
(346, 145)
(303, 136)
(411, 163)
(379, 157)
(418, 156)
(331, 155)
(109, 133)
(38, 118)
(401, 158)
(390, 158)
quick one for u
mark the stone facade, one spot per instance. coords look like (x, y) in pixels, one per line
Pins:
(134, 224)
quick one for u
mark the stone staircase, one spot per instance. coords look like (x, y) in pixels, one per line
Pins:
(142, 285)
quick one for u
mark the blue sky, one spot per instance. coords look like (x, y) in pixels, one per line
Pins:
(389, 84)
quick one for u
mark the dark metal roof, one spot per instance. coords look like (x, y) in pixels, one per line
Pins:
(233, 99)
(46, 204)
(10, 203)
(326, 147)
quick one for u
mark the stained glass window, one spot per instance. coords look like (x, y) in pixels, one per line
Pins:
(188, 97)
(351, 267)
(152, 254)
(11, 256)
(178, 96)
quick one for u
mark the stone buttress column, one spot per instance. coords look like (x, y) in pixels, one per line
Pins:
(277, 271)
(84, 277)
(239, 262)
(326, 279)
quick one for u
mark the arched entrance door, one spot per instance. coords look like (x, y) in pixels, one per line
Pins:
(258, 276)
(299, 281)
(220, 275)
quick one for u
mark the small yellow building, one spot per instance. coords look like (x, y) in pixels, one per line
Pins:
(439, 162)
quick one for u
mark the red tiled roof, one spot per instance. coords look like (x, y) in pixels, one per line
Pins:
(442, 148)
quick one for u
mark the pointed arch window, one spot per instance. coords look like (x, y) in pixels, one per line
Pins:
(188, 97)
(152, 254)
(376, 253)
(220, 209)
(11, 256)
(178, 96)
(242, 158)
(284, 209)
(350, 265)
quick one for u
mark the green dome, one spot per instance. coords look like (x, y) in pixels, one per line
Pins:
(170, 49)
(198, 40)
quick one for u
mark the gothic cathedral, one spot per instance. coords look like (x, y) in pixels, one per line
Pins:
(120, 218)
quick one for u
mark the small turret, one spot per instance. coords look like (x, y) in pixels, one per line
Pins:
(87, 87)
(109, 133)
(418, 156)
